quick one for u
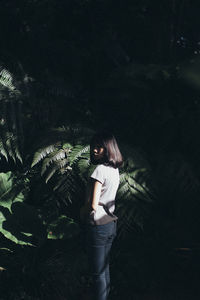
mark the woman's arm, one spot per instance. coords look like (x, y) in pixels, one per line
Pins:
(95, 195)
(92, 198)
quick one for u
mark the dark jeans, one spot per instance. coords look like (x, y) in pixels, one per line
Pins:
(99, 240)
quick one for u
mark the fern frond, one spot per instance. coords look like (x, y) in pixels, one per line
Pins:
(6, 79)
(56, 166)
(83, 165)
(15, 144)
(9, 146)
(52, 172)
(11, 121)
(134, 197)
(70, 188)
(63, 164)
(18, 155)
(3, 151)
(8, 142)
(76, 153)
(60, 182)
(54, 156)
(42, 153)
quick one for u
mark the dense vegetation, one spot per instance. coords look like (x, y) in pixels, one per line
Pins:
(67, 69)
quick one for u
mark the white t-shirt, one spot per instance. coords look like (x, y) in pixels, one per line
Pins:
(109, 177)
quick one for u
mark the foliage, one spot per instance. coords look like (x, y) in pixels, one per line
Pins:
(99, 75)
(59, 156)
(72, 166)
(65, 162)
(19, 221)
(11, 132)
(136, 196)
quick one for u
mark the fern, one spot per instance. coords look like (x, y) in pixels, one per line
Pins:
(77, 152)
(63, 153)
(62, 160)
(60, 166)
(3, 151)
(53, 157)
(11, 129)
(69, 165)
(135, 197)
(6, 79)
(52, 171)
(42, 153)
(9, 146)
(18, 221)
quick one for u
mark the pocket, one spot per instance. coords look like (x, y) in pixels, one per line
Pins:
(113, 229)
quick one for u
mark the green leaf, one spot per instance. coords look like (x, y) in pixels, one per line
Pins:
(42, 153)
(19, 222)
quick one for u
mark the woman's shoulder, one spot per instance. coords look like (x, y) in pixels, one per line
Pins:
(104, 168)
(109, 169)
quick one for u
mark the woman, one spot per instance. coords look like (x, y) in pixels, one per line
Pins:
(99, 207)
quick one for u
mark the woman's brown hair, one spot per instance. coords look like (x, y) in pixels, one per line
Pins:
(112, 154)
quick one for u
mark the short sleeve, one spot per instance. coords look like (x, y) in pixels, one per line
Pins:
(98, 174)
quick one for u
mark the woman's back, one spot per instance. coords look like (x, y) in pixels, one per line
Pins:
(109, 178)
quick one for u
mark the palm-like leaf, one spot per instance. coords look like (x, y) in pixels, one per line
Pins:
(42, 153)
(6, 79)
(11, 130)
(77, 152)
(63, 153)
(16, 217)
(136, 196)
